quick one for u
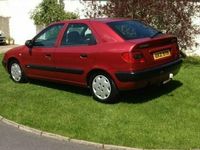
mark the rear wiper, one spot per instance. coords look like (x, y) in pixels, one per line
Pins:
(156, 34)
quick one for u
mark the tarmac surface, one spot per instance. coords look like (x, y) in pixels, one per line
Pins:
(12, 138)
(4, 48)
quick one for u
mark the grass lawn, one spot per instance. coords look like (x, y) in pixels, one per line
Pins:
(167, 117)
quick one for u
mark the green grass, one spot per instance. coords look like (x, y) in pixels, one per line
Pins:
(167, 117)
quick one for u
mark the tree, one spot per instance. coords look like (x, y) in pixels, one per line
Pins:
(62, 4)
(49, 11)
(92, 8)
(170, 16)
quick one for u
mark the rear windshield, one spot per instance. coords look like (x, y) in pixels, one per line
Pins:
(133, 29)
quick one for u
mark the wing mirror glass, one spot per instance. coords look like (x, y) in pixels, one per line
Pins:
(29, 43)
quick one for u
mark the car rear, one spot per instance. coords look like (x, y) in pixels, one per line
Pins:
(2, 40)
(154, 56)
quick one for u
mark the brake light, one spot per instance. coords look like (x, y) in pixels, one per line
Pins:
(144, 45)
(138, 57)
(178, 52)
(127, 57)
(134, 57)
(174, 40)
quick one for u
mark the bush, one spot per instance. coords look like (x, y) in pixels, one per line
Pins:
(49, 11)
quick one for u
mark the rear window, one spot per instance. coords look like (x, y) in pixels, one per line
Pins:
(133, 29)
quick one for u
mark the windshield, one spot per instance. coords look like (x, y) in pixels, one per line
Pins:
(133, 29)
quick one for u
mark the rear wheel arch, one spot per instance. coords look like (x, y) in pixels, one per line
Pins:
(103, 90)
(95, 71)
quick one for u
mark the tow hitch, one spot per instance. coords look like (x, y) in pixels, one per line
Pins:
(171, 76)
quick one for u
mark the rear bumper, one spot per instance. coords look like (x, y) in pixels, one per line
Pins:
(2, 40)
(171, 67)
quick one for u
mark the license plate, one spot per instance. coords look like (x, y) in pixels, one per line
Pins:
(161, 54)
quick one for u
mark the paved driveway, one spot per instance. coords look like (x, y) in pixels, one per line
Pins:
(12, 138)
(4, 48)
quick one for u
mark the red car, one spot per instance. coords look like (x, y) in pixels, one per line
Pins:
(107, 55)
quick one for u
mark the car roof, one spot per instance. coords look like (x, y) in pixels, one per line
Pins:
(102, 20)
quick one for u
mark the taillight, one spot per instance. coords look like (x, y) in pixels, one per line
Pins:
(133, 57)
(177, 51)
(138, 57)
(127, 57)
(174, 40)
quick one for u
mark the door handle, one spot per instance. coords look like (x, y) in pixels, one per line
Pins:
(48, 56)
(83, 55)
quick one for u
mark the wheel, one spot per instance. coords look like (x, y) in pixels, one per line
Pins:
(16, 73)
(103, 88)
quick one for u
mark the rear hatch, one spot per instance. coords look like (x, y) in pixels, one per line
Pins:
(155, 51)
(2, 39)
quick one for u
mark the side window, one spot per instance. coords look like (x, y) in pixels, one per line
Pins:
(48, 37)
(78, 34)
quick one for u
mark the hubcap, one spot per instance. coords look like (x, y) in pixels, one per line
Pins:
(16, 72)
(101, 87)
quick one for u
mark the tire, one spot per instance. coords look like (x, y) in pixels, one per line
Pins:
(16, 72)
(103, 88)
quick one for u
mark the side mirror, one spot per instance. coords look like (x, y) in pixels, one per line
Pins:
(29, 43)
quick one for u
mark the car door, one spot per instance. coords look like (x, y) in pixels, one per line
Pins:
(74, 55)
(40, 58)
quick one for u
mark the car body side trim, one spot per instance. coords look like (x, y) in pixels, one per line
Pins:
(55, 69)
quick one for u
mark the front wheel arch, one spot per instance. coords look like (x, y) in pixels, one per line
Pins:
(10, 60)
(23, 76)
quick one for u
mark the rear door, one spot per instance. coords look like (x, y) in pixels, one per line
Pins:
(39, 59)
(74, 55)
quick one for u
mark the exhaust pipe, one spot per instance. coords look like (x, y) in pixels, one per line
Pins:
(171, 76)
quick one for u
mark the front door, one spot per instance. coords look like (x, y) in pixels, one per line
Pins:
(40, 58)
